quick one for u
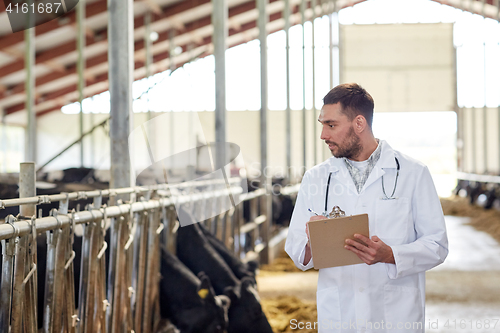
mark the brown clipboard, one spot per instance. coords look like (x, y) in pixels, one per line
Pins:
(327, 240)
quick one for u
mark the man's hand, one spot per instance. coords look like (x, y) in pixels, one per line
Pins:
(308, 254)
(313, 218)
(373, 252)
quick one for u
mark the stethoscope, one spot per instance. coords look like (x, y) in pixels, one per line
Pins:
(385, 197)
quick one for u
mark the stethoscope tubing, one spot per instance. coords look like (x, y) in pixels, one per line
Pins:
(398, 167)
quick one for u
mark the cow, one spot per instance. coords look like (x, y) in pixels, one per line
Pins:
(240, 269)
(196, 252)
(189, 301)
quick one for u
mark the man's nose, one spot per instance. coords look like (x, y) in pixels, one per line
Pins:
(324, 134)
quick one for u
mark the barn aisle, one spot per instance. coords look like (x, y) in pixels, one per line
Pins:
(463, 292)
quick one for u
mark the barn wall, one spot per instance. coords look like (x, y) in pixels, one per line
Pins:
(57, 130)
(481, 140)
(405, 67)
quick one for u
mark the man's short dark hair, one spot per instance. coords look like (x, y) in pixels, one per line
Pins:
(354, 99)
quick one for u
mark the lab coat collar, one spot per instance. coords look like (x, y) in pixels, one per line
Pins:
(341, 173)
(386, 161)
(387, 156)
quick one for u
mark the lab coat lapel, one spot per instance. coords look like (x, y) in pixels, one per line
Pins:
(341, 175)
(385, 161)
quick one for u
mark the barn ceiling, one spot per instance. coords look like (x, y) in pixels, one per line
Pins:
(56, 52)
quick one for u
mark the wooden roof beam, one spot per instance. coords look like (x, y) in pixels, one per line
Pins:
(139, 45)
(139, 64)
(98, 36)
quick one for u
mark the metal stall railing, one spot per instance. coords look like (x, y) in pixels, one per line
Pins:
(124, 301)
(119, 266)
(476, 185)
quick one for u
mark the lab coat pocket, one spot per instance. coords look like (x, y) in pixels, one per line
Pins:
(393, 218)
(403, 309)
(328, 308)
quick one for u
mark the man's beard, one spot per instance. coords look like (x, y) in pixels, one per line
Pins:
(349, 148)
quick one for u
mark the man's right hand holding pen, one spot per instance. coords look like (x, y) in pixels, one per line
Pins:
(308, 255)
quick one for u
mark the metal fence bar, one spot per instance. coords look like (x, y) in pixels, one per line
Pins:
(478, 178)
(9, 250)
(36, 200)
(30, 287)
(50, 222)
(17, 293)
(140, 249)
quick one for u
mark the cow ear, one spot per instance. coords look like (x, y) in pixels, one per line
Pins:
(205, 289)
(248, 288)
(252, 266)
(232, 293)
(247, 281)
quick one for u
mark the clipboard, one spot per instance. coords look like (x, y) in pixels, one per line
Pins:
(327, 240)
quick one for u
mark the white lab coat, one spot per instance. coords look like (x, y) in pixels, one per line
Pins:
(381, 297)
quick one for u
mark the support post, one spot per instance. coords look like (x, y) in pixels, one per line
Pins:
(304, 138)
(459, 112)
(29, 65)
(485, 113)
(219, 22)
(80, 20)
(485, 139)
(460, 139)
(3, 139)
(171, 55)
(474, 139)
(314, 127)
(27, 187)
(288, 115)
(121, 62)
(262, 23)
(331, 9)
(340, 47)
(149, 61)
(330, 21)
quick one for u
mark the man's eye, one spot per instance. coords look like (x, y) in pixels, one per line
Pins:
(331, 126)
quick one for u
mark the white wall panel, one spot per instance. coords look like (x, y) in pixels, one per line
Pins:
(493, 140)
(405, 67)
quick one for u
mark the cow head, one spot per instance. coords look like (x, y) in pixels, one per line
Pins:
(219, 304)
(209, 315)
(245, 313)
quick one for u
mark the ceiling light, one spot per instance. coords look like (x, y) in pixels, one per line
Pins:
(153, 36)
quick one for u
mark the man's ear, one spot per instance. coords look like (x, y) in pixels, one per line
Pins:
(359, 124)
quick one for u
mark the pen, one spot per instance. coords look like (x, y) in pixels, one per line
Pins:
(312, 211)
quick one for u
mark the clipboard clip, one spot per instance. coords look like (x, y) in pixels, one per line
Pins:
(336, 212)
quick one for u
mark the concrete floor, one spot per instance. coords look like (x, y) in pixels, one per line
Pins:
(463, 294)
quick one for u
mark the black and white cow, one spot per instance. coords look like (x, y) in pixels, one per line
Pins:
(240, 269)
(189, 301)
(196, 252)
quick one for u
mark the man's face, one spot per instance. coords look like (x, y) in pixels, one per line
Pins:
(338, 132)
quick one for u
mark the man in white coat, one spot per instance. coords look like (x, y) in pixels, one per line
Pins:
(407, 231)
